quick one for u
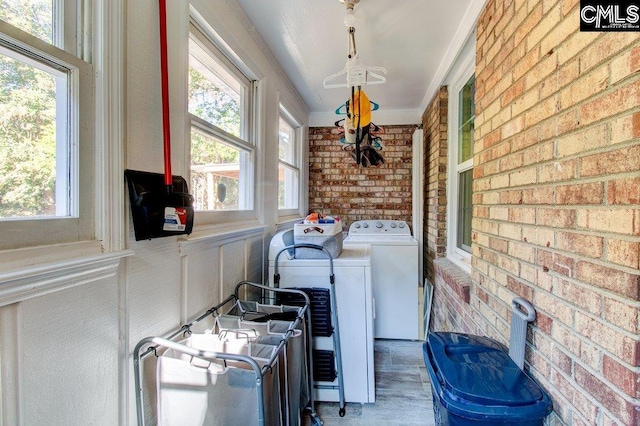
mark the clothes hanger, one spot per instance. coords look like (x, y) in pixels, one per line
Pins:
(356, 74)
(339, 111)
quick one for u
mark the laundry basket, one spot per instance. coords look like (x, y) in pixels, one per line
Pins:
(195, 391)
(242, 370)
(294, 382)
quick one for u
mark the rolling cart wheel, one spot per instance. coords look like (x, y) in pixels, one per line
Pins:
(342, 412)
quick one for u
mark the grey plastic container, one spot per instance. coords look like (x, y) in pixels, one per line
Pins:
(332, 243)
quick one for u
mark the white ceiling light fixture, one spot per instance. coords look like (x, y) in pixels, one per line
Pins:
(355, 72)
(349, 18)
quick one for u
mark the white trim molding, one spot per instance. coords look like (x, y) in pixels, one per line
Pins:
(465, 29)
(196, 242)
(35, 281)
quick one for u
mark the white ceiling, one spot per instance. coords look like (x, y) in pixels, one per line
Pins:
(415, 40)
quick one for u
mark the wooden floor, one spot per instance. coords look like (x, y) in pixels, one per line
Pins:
(403, 391)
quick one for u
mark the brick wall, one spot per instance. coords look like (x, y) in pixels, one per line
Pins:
(339, 187)
(434, 123)
(557, 205)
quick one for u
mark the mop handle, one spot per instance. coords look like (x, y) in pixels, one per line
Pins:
(168, 180)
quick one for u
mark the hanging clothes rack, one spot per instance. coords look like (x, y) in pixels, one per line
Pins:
(355, 72)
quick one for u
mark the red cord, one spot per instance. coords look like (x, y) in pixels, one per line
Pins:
(168, 179)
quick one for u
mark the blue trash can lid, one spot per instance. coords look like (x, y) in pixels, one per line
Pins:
(479, 370)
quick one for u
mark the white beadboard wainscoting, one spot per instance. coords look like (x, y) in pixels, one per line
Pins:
(68, 328)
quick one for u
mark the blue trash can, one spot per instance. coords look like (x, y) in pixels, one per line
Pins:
(474, 382)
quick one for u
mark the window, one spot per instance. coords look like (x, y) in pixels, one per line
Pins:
(288, 163)
(460, 165)
(464, 167)
(45, 155)
(222, 148)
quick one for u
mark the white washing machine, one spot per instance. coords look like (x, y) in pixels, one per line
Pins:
(354, 298)
(395, 276)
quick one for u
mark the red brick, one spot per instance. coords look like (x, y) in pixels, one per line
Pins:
(607, 396)
(556, 218)
(538, 195)
(543, 322)
(623, 314)
(578, 401)
(577, 421)
(519, 288)
(624, 191)
(603, 48)
(587, 245)
(587, 193)
(524, 140)
(618, 161)
(511, 197)
(626, 253)
(524, 252)
(567, 338)
(623, 377)
(566, 122)
(620, 282)
(616, 220)
(568, 5)
(511, 162)
(557, 171)
(522, 215)
(492, 138)
(512, 92)
(499, 244)
(561, 360)
(482, 295)
(580, 296)
(607, 336)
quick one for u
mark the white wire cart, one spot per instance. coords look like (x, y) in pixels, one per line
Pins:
(250, 367)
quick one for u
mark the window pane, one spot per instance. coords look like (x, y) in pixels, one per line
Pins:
(216, 179)
(287, 187)
(215, 95)
(34, 159)
(467, 117)
(287, 141)
(464, 209)
(32, 16)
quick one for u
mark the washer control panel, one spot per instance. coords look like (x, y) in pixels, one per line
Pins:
(379, 227)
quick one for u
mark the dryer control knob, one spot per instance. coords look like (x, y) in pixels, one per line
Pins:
(393, 225)
(365, 225)
(401, 225)
(357, 225)
(378, 225)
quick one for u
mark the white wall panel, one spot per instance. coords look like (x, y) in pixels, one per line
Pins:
(153, 289)
(232, 265)
(202, 280)
(255, 260)
(69, 356)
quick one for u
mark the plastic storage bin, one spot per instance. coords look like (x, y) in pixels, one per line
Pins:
(474, 382)
(327, 235)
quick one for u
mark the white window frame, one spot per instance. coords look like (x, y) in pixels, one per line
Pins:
(461, 75)
(296, 165)
(79, 150)
(220, 53)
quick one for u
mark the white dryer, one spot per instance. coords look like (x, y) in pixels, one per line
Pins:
(352, 270)
(395, 278)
